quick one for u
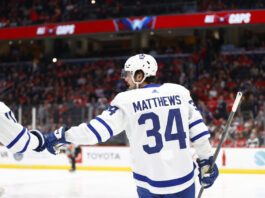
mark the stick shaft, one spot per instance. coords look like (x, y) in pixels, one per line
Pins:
(224, 134)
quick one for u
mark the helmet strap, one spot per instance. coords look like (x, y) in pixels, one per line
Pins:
(137, 84)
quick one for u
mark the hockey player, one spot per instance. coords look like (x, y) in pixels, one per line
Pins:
(160, 122)
(16, 137)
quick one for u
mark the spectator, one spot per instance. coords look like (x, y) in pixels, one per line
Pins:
(253, 140)
(240, 140)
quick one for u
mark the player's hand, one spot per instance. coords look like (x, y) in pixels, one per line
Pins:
(206, 176)
(41, 139)
(55, 140)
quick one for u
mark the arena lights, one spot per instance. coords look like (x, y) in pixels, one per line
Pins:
(152, 33)
(54, 60)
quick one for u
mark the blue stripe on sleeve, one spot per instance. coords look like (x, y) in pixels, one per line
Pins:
(199, 136)
(195, 123)
(95, 132)
(17, 138)
(165, 183)
(26, 145)
(6, 114)
(106, 125)
(12, 116)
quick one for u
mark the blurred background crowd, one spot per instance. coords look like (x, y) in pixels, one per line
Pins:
(70, 86)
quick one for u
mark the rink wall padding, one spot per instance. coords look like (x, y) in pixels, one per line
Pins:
(111, 158)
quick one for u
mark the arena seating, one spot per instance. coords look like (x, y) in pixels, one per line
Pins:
(61, 88)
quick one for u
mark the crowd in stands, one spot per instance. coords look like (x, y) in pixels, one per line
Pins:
(67, 92)
(62, 90)
(31, 12)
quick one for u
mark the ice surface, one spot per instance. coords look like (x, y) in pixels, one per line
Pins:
(103, 184)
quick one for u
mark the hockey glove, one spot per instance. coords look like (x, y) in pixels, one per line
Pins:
(41, 139)
(56, 139)
(206, 176)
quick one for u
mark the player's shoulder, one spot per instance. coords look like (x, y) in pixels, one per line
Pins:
(135, 94)
(125, 96)
(176, 87)
(128, 96)
(3, 107)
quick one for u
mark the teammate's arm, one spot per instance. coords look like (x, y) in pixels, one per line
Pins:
(16, 137)
(110, 123)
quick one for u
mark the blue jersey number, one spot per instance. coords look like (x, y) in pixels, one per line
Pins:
(112, 109)
(153, 132)
(174, 116)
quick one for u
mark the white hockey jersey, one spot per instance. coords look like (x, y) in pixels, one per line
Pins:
(160, 122)
(13, 135)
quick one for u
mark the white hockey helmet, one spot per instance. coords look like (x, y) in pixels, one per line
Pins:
(143, 62)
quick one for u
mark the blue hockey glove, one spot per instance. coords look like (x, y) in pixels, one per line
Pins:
(206, 176)
(56, 139)
(41, 139)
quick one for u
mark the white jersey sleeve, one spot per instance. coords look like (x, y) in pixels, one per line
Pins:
(111, 122)
(199, 134)
(13, 135)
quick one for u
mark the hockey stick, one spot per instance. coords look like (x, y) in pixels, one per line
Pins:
(224, 134)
